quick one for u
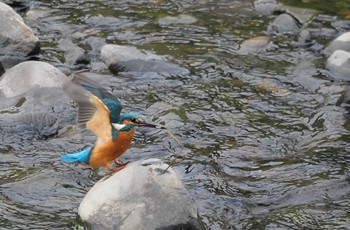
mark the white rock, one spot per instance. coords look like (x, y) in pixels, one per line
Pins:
(139, 197)
(339, 65)
(17, 37)
(22, 77)
(340, 43)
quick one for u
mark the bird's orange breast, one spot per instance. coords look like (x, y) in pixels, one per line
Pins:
(110, 150)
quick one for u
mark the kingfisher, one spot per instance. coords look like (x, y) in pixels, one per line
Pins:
(99, 111)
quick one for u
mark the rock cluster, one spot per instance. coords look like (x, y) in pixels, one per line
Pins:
(34, 106)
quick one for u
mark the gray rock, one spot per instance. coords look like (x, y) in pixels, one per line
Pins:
(73, 54)
(340, 43)
(266, 7)
(303, 15)
(255, 45)
(181, 19)
(17, 39)
(130, 59)
(338, 65)
(22, 77)
(38, 114)
(115, 53)
(284, 23)
(139, 197)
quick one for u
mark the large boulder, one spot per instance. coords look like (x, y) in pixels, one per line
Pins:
(22, 77)
(140, 196)
(17, 39)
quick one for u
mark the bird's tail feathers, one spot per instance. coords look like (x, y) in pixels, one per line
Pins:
(80, 157)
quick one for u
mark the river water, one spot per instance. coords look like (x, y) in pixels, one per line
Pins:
(266, 140)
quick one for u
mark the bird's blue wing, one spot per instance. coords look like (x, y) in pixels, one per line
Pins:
(111, 101)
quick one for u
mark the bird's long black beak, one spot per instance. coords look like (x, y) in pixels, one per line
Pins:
(144, 124)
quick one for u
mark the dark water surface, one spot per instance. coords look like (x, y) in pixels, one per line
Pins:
(266, 142)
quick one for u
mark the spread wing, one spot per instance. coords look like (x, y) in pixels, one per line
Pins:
(111, 101)
(93, 114)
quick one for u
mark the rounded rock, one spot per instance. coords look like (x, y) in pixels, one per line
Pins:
(338, 65)
(140, 196)
(284, 23)
(340, 43)
(26, 75)
(17, 37)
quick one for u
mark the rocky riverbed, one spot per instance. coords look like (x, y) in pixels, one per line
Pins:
(257, 92)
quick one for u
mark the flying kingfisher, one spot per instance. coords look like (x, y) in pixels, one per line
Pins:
(99, 111)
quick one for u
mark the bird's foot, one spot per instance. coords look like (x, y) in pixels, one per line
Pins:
(119, 164)
(115, 170)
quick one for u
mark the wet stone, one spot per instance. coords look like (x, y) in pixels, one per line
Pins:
(340, 43)
(130, 59)
(255, 45)
(17, 39)
(73, 54)
(181, 19)
(284, 23)
(140, 196)
(266, 7)
(22, 77)
(338, 65)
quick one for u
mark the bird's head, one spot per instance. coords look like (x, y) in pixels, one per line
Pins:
(131, 120)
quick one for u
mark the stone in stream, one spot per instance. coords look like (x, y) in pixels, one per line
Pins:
(26, 75)
(266, 7)
(17, 39)
(181, 19)
(73, 54)
(32, 102)
(338, 65)
(256, 45)
(284, 23)
(140, 197)
(340, 43)
(130, 59)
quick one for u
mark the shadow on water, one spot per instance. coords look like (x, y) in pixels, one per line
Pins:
(266, 142)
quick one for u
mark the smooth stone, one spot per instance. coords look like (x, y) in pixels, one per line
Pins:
(26, 75)
(255, 45)
(130, 59)
(340, 43)
(303, 15)
(338, 65)
(181, 19)
(116, 53)
(305, 38)
(284, 23)
(73, 54)
(17, 39)
(266, 7)
(153, 66)
(140, 197)
(40, 113)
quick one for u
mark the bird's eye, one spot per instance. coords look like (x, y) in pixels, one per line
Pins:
(134, 120)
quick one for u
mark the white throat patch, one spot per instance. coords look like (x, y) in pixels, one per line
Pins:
(118, 126)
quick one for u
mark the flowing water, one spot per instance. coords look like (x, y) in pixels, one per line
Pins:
(265, 139)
